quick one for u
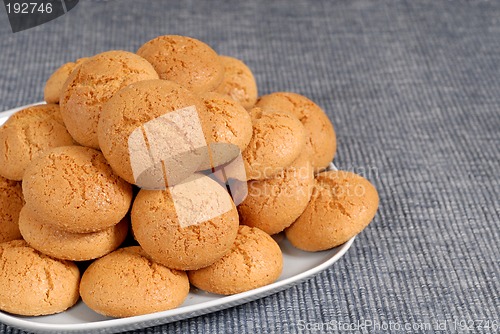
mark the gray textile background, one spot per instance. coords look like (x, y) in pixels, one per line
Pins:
(413, 88)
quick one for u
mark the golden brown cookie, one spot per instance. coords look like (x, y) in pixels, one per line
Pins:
(277, 140)
(239, 82)
(185, 60)
(188, 226)
(54, 86)
(255, 260)
(274, 204)
(11, 202)
(74, 189)
(70, 246)
(127, 283)
(28, 133)
(230, 124)
(34, 284)
(341, 206)
(321, 141)
(153, 133)
(93, 83)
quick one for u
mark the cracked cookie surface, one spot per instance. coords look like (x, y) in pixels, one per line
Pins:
(239, 82)
(321, 142)
(342, 205)
(277, 140)
(54, 85)
(11, 202)
(184, 60)
(275, 203)
(74, 189)
(127, 282)
(65, 245)
(27, 134)
(93, 83)
(34, 284)
(209, 229)
(159, 109)
(255, 260)
(229, 126)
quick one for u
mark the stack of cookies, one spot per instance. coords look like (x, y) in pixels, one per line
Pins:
(160, 170)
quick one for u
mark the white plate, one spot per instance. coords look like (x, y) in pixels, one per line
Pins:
(298, 266)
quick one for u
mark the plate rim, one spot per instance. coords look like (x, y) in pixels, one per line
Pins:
(180, 313)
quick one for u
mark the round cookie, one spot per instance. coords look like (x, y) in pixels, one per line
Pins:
(153, 133)
(28, 133)
(277, 140)
(11, 202)
(54, 86)
(74, 189)
(231, 127)
(33, 284)
(341, 206)
(255, 260)
(185, 60)
(70, 246)
(172, 229)
(274, 204)
(93, 83)
(321, 141)
(127, 283)
(239, 82)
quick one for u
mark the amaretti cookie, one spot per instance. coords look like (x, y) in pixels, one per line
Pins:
(28, 133)
(341, 206)
(275, 203)
(185, 60)
(34, 284)
(127, 283)
(188, 226)
(277, 140)
(11, 202)
(93, 83)
(63, 245)
(153, 133)
(255, 260)
(230, 127)
(74, 189)
(238, 82)
(54, 86)
(321, 141)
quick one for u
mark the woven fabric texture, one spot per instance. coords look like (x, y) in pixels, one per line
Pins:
(413, 89)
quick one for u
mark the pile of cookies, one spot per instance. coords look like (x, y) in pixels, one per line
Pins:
(160, 170)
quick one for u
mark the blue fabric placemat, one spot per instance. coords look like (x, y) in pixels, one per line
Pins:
(413, 89)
